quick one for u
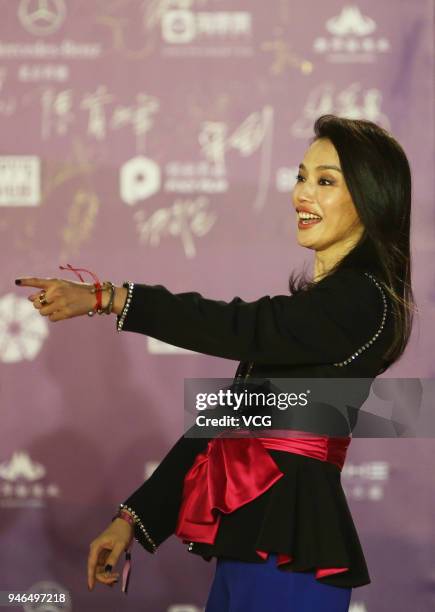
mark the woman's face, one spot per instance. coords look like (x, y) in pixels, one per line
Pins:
(321, 189)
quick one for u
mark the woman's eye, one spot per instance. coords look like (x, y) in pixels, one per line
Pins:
(325, 181)
(322, 181)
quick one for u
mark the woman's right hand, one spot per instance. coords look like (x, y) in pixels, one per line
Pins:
(66, 299)
(105, 550)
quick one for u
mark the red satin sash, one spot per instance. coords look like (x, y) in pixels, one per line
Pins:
(233, 472)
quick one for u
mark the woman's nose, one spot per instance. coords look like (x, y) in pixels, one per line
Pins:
(305, 191)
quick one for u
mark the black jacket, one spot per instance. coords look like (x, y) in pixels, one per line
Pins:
(336, 329)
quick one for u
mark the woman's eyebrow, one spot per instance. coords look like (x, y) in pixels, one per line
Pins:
(322, 167)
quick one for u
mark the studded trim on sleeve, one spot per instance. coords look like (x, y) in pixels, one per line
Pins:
(141, 533)
(120, 323)
(373, 338)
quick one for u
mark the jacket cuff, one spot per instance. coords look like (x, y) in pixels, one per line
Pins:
(121, 319)
(141, 533)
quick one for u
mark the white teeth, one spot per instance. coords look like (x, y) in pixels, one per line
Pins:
(304, 215)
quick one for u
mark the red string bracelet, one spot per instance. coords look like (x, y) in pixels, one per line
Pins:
(98, 288)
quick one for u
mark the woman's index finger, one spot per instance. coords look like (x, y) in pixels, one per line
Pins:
(31, 281)
(92, 565)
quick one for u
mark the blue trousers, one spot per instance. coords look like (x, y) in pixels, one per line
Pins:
(261, 587)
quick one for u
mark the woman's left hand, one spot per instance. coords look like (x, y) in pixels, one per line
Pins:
(105, 550)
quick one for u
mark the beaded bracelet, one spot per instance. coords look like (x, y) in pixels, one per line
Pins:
(126, 516)
(109, 307)
(97, 289)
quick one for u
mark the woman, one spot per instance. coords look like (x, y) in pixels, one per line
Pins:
(292, 544)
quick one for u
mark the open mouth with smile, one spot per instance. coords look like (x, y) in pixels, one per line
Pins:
(307, 219)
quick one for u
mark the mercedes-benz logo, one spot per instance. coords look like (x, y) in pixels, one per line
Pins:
(41, 16)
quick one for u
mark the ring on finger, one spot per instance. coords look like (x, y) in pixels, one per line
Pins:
(42, 298)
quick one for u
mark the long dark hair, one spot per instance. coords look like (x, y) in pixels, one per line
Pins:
(378, 177)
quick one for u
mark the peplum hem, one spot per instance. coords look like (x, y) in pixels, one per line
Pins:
(303, 518)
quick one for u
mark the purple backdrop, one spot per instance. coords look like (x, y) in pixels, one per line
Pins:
(158, 142)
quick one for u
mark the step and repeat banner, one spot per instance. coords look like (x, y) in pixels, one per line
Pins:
(158, 141)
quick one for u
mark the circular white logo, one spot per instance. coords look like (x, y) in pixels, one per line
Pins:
(22, 329)
(56, 598)
(42, 17)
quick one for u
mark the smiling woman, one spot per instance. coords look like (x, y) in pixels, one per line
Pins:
(321, 190)
(272, 511)
(356, 177)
